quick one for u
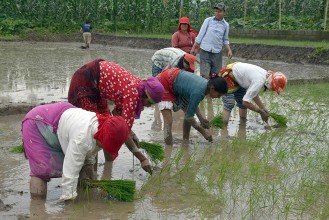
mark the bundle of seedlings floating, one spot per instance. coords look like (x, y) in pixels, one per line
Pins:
(155, 151)
(280, 119)
(121, 190)
(217, 121)
(17, 149)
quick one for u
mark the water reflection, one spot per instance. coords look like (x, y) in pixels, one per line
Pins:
(42, 72)
(45, 69)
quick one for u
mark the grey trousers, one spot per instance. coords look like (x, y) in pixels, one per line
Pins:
(210, 62)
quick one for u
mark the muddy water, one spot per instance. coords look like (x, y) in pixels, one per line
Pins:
(34, 73)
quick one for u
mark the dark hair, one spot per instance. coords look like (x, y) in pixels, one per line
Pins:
(265, 88)
(180, 63)
(219, 84)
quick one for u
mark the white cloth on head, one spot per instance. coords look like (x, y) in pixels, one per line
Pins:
(167, 57)
(250, 77)
(75, 132)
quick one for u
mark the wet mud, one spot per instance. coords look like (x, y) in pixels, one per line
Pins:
(34, 73)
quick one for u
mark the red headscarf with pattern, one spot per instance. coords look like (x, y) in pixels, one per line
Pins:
(112, 133)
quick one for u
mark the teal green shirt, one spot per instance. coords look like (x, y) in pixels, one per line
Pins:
(191, 87)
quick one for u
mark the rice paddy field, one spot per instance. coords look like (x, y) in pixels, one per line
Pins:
(250, 171)
(278, 173)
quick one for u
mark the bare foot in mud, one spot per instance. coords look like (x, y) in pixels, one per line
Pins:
(268, 127)
(5, 207)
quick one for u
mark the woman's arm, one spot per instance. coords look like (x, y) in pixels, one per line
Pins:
(174, 40)
(260, 109)
(259, 103)
(130, 143)
(73, 163)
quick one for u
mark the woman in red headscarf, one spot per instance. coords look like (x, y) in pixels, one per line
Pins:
(99, 81)
(185, 36)
(61, 140)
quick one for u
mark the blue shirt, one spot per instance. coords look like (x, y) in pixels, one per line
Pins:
(191, 87)
(86, 27)
(213, 35)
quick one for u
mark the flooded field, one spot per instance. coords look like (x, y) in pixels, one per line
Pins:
(249, 172)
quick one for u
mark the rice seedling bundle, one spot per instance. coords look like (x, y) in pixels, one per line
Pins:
(121, 190)
(280, 119)
(217, 121)
(17, 149)
(155, 151)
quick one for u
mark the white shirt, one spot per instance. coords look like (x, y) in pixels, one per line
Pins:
(167, 57)
(250, 77)
(75, 132)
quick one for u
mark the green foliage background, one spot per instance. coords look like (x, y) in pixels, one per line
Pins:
(154, 16)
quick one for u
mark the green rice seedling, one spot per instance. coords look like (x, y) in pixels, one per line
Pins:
(17, 149)
(230, 60)
(155, 151)
(280, 119)
(217, 121)
(122, 190)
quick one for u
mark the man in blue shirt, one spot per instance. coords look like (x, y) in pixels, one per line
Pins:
(86, 30)
(213, 36)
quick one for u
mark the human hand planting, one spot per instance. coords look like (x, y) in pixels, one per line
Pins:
(147, 166)
(263, 114)
(205, 124)
(87, 173)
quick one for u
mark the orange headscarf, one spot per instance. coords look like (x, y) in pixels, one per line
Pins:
(112, 133)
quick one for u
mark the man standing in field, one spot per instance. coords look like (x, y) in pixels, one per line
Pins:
(213, 36)
(86, 30)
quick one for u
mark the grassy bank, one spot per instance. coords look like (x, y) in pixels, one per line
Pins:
(287, 43)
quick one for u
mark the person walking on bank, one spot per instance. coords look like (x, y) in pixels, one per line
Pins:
(212, 37)
(185, 91)
(61, 140)
(86, 33)
(184, 37)
(245, 81)
(98, 81)
(172, 57)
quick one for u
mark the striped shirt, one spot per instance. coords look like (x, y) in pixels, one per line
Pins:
(167, 57)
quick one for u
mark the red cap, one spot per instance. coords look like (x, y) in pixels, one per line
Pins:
(279, 81)
(112, 133)
(190, 59)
